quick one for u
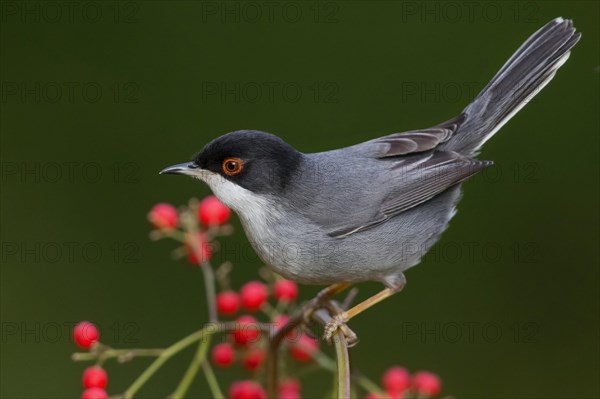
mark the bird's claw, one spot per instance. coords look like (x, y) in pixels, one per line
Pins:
(339, 322)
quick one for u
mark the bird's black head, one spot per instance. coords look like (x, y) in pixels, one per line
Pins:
(257, 161)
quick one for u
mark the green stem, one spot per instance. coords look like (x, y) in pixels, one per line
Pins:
(325, 362)
(294, 321)
(343, 365)
(177, 235)
(273, 352)
(212, 381)
(368, 385)
(164, 356)
(364, 382)
(209, 285)
(268, 310)
(110, 353)
(281, 307)
(192, 370)
(191, 228)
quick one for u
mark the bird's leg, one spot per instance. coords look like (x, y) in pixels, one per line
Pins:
(332, 290)
(321, 297)
(341, 319)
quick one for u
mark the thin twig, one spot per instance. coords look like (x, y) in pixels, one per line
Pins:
(213, 384)
(192, 370)
(126, 354)
(367, 384)
(198, 360)
(191, 226)
(209, 285)
(293, 322)
(325, 362)
(208, 330)
(342, 368)
(273, 350)
(166, 355)
(343, 365)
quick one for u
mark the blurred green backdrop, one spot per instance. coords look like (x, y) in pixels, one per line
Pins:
(98, 96)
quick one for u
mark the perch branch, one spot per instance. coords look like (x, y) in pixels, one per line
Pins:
(343, 365)
(275, 341)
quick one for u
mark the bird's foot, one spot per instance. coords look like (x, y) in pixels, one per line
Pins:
(339, 322)
(351, 337)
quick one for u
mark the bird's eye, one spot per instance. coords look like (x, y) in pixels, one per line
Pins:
(232, 166)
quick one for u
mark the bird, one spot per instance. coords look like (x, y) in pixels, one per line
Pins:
(370, 211)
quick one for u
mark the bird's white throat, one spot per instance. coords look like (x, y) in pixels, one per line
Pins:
(251, 207)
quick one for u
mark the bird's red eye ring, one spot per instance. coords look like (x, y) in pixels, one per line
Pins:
(232, 166)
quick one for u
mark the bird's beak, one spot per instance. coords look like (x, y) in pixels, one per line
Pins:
(188, 168)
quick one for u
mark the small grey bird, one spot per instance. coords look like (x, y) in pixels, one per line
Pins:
(370, 211)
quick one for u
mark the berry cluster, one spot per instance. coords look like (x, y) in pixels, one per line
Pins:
(95, 379)
(210, 213)
(251, 313)
(253, 296)
(398, 383)
(247, 343)
(249, 389)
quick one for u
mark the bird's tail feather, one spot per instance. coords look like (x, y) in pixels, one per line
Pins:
(530, 68)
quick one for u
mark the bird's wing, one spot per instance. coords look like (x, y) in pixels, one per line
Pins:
(399, 171)
(411, 181)
(415, 141)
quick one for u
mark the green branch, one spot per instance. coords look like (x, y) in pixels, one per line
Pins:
(171, 351)
(343, 365)
(192, 370)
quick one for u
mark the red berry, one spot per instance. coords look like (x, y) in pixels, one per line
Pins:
(85, 334)
(396, 380)
(304, 349)
(426, 383)
(247, 330)
(94, 393)
(212, 211)
(163, 216)
(246, 390)
(289, 385)
(228, 302)
(223, 355)
(254, 358)
(95, 377)
(286, 290)
(198, 249)
(288, 394)
(253, 295)
(289, 389)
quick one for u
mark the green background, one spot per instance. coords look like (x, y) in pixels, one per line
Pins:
(519, 264)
